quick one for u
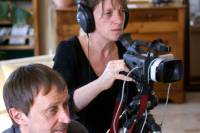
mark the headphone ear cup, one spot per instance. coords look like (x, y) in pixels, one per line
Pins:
(85, 18)
(126, 18)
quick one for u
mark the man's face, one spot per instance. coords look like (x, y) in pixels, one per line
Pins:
(49, 113)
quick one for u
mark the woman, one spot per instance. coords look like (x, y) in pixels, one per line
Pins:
(91, 66)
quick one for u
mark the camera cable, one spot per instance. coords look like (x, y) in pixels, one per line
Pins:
(121, 100)
(145, 120)
(166, 103)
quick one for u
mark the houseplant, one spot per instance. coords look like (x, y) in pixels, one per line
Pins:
(4, 10)
(11, 12)
(2, 55)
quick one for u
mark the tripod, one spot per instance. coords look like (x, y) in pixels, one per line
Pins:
(138, 118)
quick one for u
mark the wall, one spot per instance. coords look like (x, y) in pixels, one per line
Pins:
(194, 38)
(194, 6)
(47, 28)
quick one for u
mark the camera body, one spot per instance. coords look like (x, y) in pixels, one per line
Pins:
(152, 60)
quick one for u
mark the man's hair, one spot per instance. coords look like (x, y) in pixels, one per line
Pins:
(25, 83)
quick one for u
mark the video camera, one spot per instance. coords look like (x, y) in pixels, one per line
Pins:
(153, 60)
(147, 61)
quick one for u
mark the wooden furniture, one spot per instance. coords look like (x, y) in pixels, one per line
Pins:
(194, 77)
(32, 44)
(148, 23)
(66, 24)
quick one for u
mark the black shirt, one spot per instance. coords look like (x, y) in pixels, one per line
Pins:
(73, 127)
(71, 62)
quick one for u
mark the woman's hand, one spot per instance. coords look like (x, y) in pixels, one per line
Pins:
(112, 72)
(84, 95)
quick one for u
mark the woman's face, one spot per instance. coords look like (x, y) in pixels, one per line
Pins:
(109, 19)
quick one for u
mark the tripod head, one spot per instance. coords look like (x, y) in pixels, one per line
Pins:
(133, 106)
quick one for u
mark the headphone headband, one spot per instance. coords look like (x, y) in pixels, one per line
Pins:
(85, 17)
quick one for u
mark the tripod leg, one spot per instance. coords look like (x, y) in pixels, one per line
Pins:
(152, 125)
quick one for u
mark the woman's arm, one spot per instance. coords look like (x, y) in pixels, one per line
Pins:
(85, 94)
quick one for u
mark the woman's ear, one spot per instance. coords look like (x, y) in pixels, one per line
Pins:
(18, 116)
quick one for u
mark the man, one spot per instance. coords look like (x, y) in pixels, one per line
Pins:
(36, 99)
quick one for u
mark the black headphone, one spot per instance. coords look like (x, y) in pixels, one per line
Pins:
(85, 17)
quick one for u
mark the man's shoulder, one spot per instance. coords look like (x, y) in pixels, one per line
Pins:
(12, 129)
(76, 127)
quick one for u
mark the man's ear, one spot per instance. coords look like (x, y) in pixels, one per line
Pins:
(18, 116)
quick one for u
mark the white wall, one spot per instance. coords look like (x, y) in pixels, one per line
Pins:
(194, 6)
(194, 40)
(47, 28)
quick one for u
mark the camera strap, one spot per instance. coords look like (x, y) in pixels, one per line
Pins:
(117, 113)
(143, 105)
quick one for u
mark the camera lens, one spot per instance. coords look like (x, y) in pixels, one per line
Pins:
(166, 70)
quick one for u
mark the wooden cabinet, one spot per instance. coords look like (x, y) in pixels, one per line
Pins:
(66, 24)
(147, 23)
(31, 44)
